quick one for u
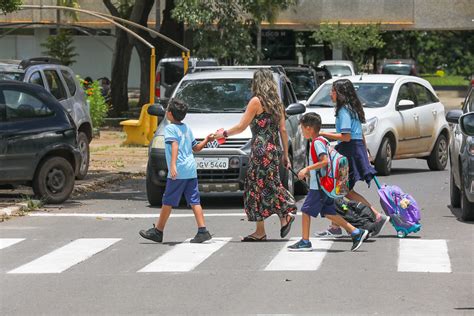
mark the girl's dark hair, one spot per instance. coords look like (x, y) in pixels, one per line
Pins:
(178, 109)
(346, 96)
(311, 119)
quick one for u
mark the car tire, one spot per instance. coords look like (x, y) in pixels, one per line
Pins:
(454, 192)
(287, 177)
(467, 208)
(83, 144)
(154, 193)
(54, 180)
(383, 160)
(438, 158)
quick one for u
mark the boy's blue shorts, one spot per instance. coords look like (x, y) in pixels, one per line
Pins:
(176, 188)
(317, 202)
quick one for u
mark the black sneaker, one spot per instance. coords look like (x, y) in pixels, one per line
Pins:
(358, 239)
(201, 237)
(301, 246)
(380, 224)
(152, 234)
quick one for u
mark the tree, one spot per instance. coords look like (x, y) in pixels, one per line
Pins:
(357, 40)
(223, 28)
(60, 46)
(7, 6)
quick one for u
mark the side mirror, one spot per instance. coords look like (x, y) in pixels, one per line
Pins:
(157, 110)
(295, 108)
(466, 122)
(453, 116)
(405, 105)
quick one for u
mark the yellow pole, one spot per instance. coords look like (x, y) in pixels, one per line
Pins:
(186, 56)
(152, 76)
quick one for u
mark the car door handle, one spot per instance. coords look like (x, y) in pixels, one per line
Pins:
(415, 116)
(434, 112)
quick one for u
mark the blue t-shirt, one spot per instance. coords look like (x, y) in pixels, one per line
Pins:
(185, 164)
(347, 122)
(321, 150)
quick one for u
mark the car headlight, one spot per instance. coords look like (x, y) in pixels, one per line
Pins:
(369, 127)
(158, 142)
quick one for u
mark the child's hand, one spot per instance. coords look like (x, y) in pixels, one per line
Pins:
(210, 137)
(302, 174)
(173, 172)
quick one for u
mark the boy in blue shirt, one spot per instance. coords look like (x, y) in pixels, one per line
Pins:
(317, 202)
(182, 173)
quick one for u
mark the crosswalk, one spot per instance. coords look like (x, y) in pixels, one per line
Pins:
(413, 256)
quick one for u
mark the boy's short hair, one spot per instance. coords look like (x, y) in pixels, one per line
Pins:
(312, 120)
(178, 109)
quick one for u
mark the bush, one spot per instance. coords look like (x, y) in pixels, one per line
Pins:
(98, 106)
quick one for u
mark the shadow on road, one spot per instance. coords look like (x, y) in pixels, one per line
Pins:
(457, 213)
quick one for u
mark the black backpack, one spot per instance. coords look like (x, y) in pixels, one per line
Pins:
(356, 213)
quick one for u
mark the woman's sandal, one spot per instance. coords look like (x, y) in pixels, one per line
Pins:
(286, 229)
(251, 238)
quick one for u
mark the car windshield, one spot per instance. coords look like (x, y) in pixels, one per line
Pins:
(396, 69)
(371, 95)
(303, 83)
(18, 76)
(339, 70)
(215, 95)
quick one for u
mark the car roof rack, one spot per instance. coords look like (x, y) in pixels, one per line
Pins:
(275, 68)
(25, 63)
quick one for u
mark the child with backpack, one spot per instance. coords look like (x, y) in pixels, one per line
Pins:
(349, 118)
(317, 201)
(182, 173)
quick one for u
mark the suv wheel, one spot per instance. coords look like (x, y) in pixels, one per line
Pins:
(454, 192)
(383, 160)
(83, 144)
(54, 180)
(439, 155)
(467, 208)
(154, 192)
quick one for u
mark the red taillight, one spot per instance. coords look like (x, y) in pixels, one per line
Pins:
(472, 82)
(157, 92)
(157, 84)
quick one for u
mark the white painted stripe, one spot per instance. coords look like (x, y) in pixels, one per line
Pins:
(423, 256)
(287, 260)
(7, 242)
(65, 257)
(186, 256)
(112, 215)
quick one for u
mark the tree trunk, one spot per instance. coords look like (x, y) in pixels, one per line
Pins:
(120, 67)
(259, 42)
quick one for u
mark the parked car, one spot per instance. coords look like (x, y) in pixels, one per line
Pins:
(170, 71)
(38, 142)
(405, 119)
(399, 67)
(62, 83)
(217, 97)
(339, 68)
(461, 157)
(305, 79)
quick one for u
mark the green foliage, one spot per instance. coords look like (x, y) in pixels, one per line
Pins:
(97, 106)
(451, 50)
(71, 4)
(7, 6)
(223, 28)
(356, 39)
(446, 80)
(60, 46)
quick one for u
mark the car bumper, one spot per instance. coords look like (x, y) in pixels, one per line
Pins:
(223, 180)
(77, 159)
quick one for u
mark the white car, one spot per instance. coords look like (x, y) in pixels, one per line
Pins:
(339, 68)
(405, 118)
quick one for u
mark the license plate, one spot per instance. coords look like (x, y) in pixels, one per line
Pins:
(212, 163)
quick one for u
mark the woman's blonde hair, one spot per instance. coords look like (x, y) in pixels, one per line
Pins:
(265, 88)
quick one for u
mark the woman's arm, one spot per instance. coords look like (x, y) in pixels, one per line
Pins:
(346, 137)
(284, 139)
(252, 108)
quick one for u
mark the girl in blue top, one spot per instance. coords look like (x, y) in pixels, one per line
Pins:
(349, 118)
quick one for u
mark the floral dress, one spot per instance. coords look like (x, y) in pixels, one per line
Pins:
(264, 194)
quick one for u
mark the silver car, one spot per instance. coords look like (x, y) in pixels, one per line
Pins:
(217, 97)
(61, 82)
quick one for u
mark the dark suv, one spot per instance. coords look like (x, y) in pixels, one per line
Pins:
(305, 79)
(217, 97)
(38, 142)
(461, 158)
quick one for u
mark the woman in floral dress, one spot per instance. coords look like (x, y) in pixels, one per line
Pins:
(264, 194)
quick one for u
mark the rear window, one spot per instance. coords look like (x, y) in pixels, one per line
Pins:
(339, 70)
(215, 95)
(396, 69)
(303, 82)
(17, 76)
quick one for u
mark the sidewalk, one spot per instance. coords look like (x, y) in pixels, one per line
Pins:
(110, 162)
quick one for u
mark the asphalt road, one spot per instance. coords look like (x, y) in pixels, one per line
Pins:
(87, 258)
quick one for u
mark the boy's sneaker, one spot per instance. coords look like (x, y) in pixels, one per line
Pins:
(358, 239)
(331, 232)
(301, 246)
(201, 237)
(152, 234)
(380, 224)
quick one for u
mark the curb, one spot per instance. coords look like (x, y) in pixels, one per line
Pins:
(17, 209)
